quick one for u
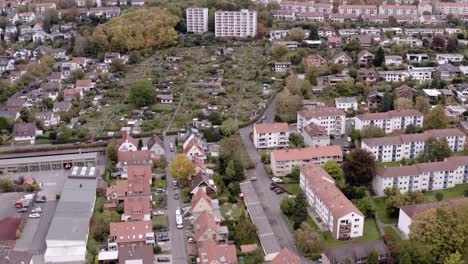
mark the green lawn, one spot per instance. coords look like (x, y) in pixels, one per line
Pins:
(371, 233)
(380, 210)
(159, 201)
(291, 188)
(389, 164)
(160, 183)
(450, 193)
(460, 153)
(160, 221)
(391, 231)
(235, 213)
(162, 108)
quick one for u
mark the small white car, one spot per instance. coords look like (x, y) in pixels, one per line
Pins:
(158, 212)
(276, 180)
(34, 215)
(36, 210)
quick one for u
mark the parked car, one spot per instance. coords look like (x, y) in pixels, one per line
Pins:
(164, 259)
(36, 210)
(171, 147)
(253, 179)
(159, 190)
(34, 215)
(176, 196)
(279, 191)
(158, 212)
(276, 180)
(22, 210)
(176, 184)
(163, 238)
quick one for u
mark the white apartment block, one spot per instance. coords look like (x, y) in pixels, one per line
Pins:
(391, 120)
(412, 42)
(197, 20)
(358, 9)
(410, 146)
(338, 213)
(236, 23)
(346, 103)
(299, 7)
(393, 60)
(394, 76)
(422, 176)
(398, 10)
(443, 58)
(274, 135)
(284, 160)
(447, 8)
(421, 74)
(423, 31)
(330, 118)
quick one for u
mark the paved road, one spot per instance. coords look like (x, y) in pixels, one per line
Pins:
(270, 201)
(178, 237)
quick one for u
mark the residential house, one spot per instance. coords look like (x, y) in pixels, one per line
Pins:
(394, 76)
(315, 135)
(124, 233)
(398, 10)
(447, 72)
(286, 256)
(61, 107)
(422, 74)
(326, 32)
(84, 85)
(6, 65)
(283, 66)
(201, 181)
(315, 60)
(342, 58)
(71, 94)
(422, 176)
(165, 98)
(443, 58)
(48, 119)
(206, 227)
(358, 9)
(422, 57)
(13, 115)
(365, 58)
(334, 42)
(132, 253)
(405, 91)
(24, 133)
(411, 42)
(210, 252)
(156, 146)
(337, 213)
(356, 252)
(408, 213)
(26, 17)
(127, 143)
(410, 146)
(194, 149)
(332, 119)
(137, 209)
(16, 104)
(393, 60)
(346, 103)
(130, 158)
(364, 40)
(273, 135)
(368, 75)
(391, 120)
(284, 160)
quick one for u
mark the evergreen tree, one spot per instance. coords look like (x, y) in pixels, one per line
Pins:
(405, 259)
(379, 57)
(313, 35)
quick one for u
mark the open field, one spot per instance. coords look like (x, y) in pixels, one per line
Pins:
(371, 233)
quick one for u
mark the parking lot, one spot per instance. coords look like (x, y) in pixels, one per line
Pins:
(7, 206)
(51, 181)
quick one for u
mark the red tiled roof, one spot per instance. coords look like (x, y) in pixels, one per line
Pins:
(324, 187)
(307, 153)
(322, 111)
(357, 6)
(415, 209)
(134, 157)
(83, 83)
(271, 128)
(136, 208)
(139, 173)
(211, 252)
(398, 7)
(204, 222)
(199, 195)
(126, 137)
(389, 114)
(130, 232)
(398, 140)
(286, 257)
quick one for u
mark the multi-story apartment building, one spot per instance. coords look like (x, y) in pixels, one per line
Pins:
(422, 176)
(447, 8)
(358, 9)
(398, 10)
(299, 7)
(197, 20)
(410, 146)
(236, 23)
(330, 118)
(394, 76)
(338, 213)
(284, 160)
(274, 135)
(391, 120)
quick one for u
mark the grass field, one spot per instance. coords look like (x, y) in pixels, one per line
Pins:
(161, 221)
(235, 211)
(390, 231)
(371, 233)
(451, 193)
(380, 210)
(389, 164)
(160, 183)
(291, 188)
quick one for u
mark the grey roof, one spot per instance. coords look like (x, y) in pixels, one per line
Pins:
(447, 67)
(12, 114)
(53, 158)
(24, 130)
(75, 208)
(155, 140)
(346, 100)
(356, 251)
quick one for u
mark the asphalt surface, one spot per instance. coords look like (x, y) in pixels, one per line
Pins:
(178, 237)
(269, 200)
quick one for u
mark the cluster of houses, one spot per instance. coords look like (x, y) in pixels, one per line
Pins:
(423, 12)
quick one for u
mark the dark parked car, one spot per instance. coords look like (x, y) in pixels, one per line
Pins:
(176, 196)
(164, 259)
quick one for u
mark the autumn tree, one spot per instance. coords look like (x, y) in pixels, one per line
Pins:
(436, 150)
(308, 240)
(297, 34)
(422, 105)
(287, 106)
(372, 132)
(278, 51)
(435, 119)
(395, 200)
(112, 151)
(359, 167)
(142, 93)
(333, 168)
(182, 168)
(229, 127)
(402, 103)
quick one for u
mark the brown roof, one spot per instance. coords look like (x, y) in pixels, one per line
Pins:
(203, 223)
(136, 208)
(324, 187)
(321, 111)
(415, 209)
(199, 195)
(405, 91)
(83, 83)
(127, 137)
(357, 6)
(450, 163)
(271, 128)
(389, 114)
(24, 130)
(398, 140)
(398, 7)
(286, 257)
(136, 252)
(314, 130)
(130, 232)
(193, 143)
(248, 248)
(307, 153)
(211, 252)
(134, 157)
(139, 173)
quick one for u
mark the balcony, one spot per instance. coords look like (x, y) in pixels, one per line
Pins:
(112, 242)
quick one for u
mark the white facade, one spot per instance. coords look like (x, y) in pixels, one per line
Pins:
(197, 20)
(236, 23)
(330, 118)
(390, 121)
(344, 221)
(404, 222)
(393, 60)
(26, 139)
(422, 176)
(127, 146)
(421, 74)
(447, 58)
(412, 145)
(274, 135)
(346, 103)
(394, 76)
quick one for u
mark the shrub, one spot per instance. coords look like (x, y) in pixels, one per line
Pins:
(439, 196)
(57, 196)
(156, 249)
(18, 234)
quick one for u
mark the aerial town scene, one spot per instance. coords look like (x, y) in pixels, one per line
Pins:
(233, 131)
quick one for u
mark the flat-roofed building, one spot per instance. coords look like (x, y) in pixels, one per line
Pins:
(197, 19)
(284, 160)
(338, 213)
(68, 232)
(236, 23)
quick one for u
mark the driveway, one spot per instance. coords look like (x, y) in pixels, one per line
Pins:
(268, 199)
(178, 237)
